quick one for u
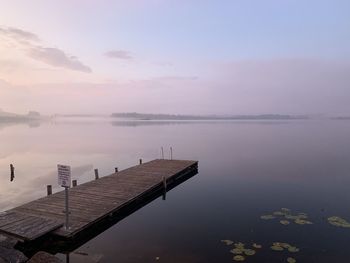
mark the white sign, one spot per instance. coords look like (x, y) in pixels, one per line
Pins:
(64, 175)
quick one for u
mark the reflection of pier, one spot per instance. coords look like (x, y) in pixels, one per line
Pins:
(94, 206)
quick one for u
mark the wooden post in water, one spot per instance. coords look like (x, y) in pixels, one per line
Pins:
(12, 170)
(116, 169)
(96, 174)
(75, 183)
(49, 189)
(140, 161)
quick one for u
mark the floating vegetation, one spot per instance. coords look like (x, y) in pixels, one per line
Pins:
(286, 210)
(338, 221)
(285, 217)
(249, 252)
(279, 213)
(238, 258)
(255, 245)
(267, 217)
(277, 246)
(227, 242)
(302, 222)
(291, 260)
(285, 222)
(240, 251)
(239, 245)
(237, 250)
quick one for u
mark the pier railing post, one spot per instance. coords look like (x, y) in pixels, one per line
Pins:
(96, 174)
(171, 153)
(162, 152)
(67, 207)
(116, 169)
(140, 161)
(49, 189)
(75, 183)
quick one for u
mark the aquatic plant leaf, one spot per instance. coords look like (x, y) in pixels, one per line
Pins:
(291, 260)
(302, 222)
(284, 245)
(249, 252)
(267, 217)
(285, 222)
(338, 221)
(283, 209)
(279, 213)
(238, 258)
(227, 242)
(239, 245)
(276, 248)
(257, 245)
(293, 249)
(237, 250)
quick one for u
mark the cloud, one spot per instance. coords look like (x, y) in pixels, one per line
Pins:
(19, 34)
(28, 42)
(119, 54)
(57, 58)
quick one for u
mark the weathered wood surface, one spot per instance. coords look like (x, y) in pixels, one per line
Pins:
(92, 201)
(24, 226)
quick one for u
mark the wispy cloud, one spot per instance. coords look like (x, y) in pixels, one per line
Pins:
(119, 54)
(19, 34)
(55, 57)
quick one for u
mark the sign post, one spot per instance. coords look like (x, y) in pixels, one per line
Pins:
(64, 180)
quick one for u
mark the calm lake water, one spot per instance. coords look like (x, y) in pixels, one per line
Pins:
(246, 169)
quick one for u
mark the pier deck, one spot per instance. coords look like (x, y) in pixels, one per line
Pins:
(91, 202)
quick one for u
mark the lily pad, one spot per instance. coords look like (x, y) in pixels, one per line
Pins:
(293, 249)
(237, 251)
(249, 252)
(257, 245)
(338, 221)
(291, 260)
(227, 242)
(279, 213)
(238, 258)
(302, 222)
(276, 248)
(267, 217)
(239, 245)
(285, 209)
(285, 245)
(285, 222)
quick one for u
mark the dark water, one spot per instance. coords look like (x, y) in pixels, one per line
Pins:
(246, 169)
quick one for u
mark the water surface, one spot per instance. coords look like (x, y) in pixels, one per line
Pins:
(246, 169)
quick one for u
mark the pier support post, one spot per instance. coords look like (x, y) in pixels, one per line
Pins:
(75, 183)
(116, 169)
(49, 189)
(140, 161)
(164, 186)
(96, 174)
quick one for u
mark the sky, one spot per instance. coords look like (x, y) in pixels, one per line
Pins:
(175, 56)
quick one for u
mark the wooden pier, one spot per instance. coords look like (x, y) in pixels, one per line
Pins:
(91, 203)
